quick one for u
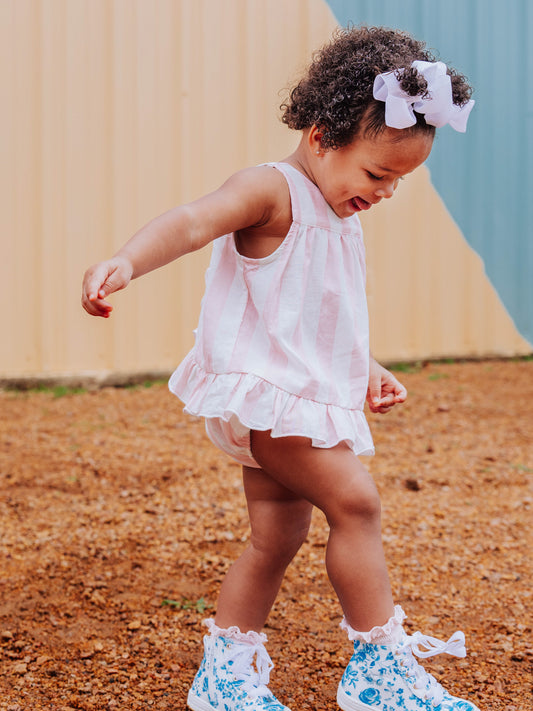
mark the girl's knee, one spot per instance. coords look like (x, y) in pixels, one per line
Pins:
(360, 502)
(278, 546)
(297, 537)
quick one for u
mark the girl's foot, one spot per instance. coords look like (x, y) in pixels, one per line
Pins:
(234, 673)
(387, 677)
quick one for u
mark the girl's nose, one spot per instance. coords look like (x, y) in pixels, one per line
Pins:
(386, 189)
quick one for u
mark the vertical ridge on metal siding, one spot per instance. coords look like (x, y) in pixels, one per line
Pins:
(52, 192)
(87, 144)
(21, 161)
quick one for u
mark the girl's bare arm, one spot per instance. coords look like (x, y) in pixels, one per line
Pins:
(246, 199)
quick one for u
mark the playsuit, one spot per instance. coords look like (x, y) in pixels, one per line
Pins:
(282, 342)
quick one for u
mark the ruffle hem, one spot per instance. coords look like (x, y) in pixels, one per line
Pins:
(260, 405)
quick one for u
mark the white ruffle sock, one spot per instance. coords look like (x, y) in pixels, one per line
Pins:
(392, 631)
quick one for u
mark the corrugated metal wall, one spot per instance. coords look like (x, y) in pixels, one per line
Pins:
(116, 110)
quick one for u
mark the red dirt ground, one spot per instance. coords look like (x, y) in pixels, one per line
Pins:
(113, 502)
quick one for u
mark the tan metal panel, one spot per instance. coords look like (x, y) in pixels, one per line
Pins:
(116, 110)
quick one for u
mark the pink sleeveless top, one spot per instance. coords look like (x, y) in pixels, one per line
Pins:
(282, 341)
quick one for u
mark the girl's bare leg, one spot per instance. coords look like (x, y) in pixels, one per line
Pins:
(279, 521)
(336, 482)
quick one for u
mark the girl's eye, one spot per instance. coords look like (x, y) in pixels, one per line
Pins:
(382, 177)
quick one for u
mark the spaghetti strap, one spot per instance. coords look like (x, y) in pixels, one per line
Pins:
(309, 206)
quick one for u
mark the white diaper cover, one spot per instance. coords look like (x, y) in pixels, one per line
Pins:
(231, 437)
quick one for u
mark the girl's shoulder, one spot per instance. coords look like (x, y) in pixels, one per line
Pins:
(271, 185)
(268, 189)
(249, 199)
(261, 181)
(265, 190)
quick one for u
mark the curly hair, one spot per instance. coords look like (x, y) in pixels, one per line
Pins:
(336, 94)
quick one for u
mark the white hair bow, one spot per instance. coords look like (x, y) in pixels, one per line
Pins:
(436, 103)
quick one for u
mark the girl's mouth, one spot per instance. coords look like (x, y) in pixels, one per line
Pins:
(361, 204)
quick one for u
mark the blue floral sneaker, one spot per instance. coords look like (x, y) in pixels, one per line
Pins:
(234, 673)
(387, 677)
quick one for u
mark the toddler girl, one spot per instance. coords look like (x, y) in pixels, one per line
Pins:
(281, 365)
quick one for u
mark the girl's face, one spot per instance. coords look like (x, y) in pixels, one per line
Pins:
(357, 176)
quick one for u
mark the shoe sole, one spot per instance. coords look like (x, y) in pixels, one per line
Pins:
(348, 703)
(195, 703)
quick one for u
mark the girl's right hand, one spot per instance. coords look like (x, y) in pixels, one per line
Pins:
(104, 279)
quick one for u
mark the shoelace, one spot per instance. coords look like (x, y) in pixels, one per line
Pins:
(252, 665)
(424, 646)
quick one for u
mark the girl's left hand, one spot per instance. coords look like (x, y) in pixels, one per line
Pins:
(384, 391)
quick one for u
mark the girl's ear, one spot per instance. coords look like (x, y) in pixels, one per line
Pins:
(314, 140)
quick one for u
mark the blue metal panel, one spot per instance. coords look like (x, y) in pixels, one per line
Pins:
(486, 176)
